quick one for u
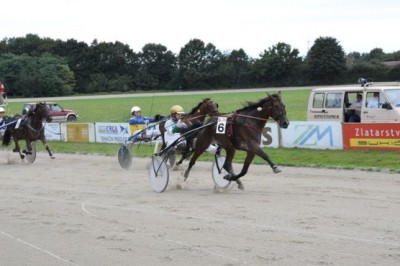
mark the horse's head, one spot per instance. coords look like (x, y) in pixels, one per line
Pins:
(208, 107)
(277, 109)
(41, 112)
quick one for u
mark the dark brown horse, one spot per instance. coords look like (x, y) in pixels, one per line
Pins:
(243, 132)
(29, 128)
(193, 119)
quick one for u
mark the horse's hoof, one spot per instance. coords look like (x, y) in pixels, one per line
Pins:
(15, 150)
(276, 169)
(240, 186)
(52, 157)
(185, 175)
(22, 157)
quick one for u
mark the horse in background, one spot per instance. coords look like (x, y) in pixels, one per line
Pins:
(29, 127)
(195, 118)
(243, 132)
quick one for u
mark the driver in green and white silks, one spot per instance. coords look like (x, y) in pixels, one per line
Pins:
(174, 127)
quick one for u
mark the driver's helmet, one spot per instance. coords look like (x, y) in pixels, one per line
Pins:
(25, 111)
(177, 109)
(135, 109)
(2, 110)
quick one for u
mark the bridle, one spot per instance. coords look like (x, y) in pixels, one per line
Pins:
(207, 107)
(38, 131)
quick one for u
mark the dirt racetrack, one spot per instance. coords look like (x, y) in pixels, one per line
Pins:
(86, 210)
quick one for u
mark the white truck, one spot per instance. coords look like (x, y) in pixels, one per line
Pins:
(376, 105)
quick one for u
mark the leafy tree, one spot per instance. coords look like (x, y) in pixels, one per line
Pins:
(29, 76)
(31, 44)
(278, 65)
(197, 64)
(234, 69)
(394, 73)
(376, 54)
(158, 67)
(112, 60)
(375, 70)
(325, 62)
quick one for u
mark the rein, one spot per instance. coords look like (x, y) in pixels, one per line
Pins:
(37, 130)
(253, 117)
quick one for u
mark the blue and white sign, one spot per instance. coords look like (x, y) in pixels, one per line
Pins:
(313, 135)
(112, 132)
(52, 131)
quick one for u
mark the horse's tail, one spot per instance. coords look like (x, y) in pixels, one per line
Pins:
(7, 138)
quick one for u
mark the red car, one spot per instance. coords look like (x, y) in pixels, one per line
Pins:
(58, 113)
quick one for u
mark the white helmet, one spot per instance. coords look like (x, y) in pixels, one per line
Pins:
(2, 110)
(135, 109)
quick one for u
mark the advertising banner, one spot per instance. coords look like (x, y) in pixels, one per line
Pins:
(270, 136)
(112, 132)
(78, 132)
(384, 136)
(313, 135)
(52, 131)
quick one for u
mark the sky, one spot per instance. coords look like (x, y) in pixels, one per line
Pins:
(252, 25)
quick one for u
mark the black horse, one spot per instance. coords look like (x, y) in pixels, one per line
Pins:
(243, 132)
(29, 127)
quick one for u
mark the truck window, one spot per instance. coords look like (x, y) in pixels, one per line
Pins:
(373, 100)
(376, 99)
(333, 100)
(318, 101)
(394, 97)
(353, 98)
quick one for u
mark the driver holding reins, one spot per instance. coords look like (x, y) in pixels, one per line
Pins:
(174, 127)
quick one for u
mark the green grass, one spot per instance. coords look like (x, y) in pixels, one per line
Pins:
(117, 110)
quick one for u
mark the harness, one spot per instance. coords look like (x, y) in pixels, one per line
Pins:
(231, 122)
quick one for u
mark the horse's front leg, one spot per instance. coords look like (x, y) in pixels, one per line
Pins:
(17, 148)
(265, 156)
(48, 149)
(28, 149)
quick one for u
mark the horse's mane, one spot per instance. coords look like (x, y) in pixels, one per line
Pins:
(253, 105)
(194, 110)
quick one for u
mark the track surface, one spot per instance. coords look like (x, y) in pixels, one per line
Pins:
(86, 210)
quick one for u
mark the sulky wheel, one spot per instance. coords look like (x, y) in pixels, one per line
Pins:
(124, 157)
(31, 156)
(218, 173)
(158, 174)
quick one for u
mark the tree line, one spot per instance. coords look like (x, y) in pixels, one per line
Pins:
(32, 66)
